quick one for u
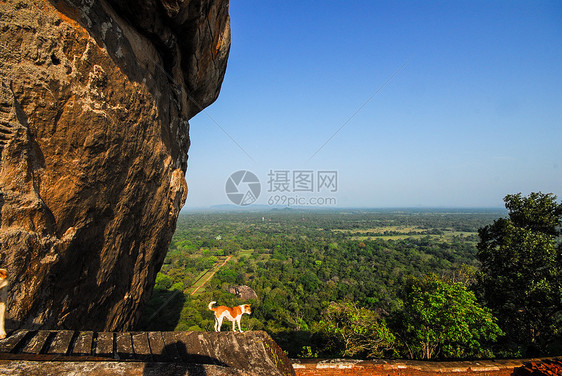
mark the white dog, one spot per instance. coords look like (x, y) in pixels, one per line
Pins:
(3, 300)
(234, 314)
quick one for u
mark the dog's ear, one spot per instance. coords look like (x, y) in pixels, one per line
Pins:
(3, 274)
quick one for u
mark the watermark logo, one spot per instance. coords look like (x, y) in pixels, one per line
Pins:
(302, 181)
(243, 188)
(285, 188)
(301, 187)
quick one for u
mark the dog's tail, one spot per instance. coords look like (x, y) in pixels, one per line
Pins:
(211, 306)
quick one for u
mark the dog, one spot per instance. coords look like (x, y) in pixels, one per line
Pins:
(234, 314)
(3, 300)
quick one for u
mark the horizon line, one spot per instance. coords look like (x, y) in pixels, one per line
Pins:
(250, 208)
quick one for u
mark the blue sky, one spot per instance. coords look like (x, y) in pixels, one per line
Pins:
(424, 103)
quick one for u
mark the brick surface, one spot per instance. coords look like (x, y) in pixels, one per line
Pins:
(550, 367)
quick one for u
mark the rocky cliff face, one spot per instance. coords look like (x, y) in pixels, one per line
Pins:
(95, 98)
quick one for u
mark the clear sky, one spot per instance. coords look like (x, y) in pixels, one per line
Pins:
(411, 103)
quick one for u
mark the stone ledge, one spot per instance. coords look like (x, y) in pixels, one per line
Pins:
(35, 368)
(66, 352)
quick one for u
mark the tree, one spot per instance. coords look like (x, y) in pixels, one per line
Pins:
(163, 282)
(441, 319)
(521, 273)
(539, 212)
(356, 331)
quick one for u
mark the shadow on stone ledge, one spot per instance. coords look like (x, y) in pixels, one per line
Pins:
(198, 365)
(253, 352)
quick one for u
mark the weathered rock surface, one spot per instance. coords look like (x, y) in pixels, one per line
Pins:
(243, 292)
(95, 98)
(34, 368)
(169, 353)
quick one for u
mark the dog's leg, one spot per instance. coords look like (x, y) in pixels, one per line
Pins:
(219, 323)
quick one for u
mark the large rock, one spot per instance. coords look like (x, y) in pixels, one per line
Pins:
(243, 292)
(95, 98)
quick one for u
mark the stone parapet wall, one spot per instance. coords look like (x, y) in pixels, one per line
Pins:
(338, 367)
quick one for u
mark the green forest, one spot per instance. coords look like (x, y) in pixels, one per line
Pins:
(411, 283)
